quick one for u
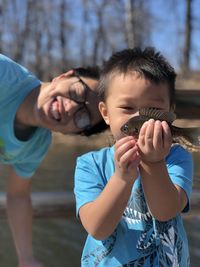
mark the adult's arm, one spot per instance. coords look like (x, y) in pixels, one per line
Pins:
(19, 211)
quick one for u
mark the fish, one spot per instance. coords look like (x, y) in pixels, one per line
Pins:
(189, 138)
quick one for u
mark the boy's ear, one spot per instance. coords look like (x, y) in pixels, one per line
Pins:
(104, 112)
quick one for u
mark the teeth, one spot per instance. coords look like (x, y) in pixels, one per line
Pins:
(54, 111)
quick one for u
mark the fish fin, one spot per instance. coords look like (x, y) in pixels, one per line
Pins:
(189, 138)
(158, 114)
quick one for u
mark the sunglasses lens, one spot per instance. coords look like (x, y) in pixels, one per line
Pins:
(82, 119)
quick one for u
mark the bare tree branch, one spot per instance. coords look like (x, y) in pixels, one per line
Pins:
(188, 36)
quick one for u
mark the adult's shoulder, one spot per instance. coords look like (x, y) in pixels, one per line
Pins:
(4, 58)
(10, 69)
(7, 62)
(15, 81)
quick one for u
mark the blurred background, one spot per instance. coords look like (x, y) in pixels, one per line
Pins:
(49, 36)
(52, 36)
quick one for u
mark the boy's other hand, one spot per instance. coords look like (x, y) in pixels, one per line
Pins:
(154, 141)
(126, 158)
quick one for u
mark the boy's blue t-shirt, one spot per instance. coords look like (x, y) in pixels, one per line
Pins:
(139, 239)
(16, 82)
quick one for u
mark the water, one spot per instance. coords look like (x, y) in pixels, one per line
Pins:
(58, 242)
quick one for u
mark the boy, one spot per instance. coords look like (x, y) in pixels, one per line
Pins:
(29, 112)
(130, 196)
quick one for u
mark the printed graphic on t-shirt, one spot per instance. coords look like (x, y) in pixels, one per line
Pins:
(159, 243)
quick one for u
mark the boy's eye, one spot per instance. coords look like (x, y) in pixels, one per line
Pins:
(128, 108)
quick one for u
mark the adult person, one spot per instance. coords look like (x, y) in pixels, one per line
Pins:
(29, 111)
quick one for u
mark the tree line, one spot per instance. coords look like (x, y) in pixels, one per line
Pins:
(51, 36)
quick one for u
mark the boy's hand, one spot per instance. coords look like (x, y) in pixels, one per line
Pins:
(154, 141)
(126, 158)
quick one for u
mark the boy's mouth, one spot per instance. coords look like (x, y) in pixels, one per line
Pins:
(54, 110)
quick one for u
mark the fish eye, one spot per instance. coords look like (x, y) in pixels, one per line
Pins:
(125, 128)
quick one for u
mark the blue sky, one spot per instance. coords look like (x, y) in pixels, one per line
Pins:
(168, 34)
(168, 29)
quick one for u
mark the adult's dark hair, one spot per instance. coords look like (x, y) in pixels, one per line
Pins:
(148, 63)
(96, 129)
(88, 72)
(92, 73)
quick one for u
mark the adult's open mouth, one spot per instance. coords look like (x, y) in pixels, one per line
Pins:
(54, 110)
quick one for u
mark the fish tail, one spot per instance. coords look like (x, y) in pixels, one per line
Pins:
(188, 137)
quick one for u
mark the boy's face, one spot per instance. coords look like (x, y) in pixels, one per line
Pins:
(126, 94)
(65, 115)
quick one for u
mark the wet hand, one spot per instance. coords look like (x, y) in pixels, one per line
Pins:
(126, 158)
(154, 141)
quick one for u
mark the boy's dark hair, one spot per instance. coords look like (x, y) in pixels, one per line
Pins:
(92, 73)
(148, 63)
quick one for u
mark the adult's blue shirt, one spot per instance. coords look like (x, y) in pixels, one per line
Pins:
(16, 82)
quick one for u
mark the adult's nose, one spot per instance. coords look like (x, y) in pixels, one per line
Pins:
(70, 106)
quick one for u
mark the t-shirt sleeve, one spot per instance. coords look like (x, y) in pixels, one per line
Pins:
(27, 169)
(88, 180)
(180, 169)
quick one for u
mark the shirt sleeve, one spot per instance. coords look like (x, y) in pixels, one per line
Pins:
(33, 157)
(88, 180)
(180, 169)
(27, 169)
